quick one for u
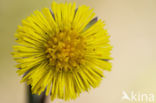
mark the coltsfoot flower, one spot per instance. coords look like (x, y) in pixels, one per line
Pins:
(62, 51)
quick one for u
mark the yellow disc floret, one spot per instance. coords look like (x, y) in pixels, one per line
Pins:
(66, 50)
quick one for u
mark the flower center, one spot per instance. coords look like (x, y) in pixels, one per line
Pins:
(66, 50)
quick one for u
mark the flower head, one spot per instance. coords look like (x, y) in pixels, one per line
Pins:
(62, 51)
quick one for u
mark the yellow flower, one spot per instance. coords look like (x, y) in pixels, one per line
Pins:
(62, 51)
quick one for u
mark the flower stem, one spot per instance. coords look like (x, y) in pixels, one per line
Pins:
(32, 98)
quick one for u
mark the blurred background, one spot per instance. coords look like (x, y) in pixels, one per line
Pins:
(132, 26)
